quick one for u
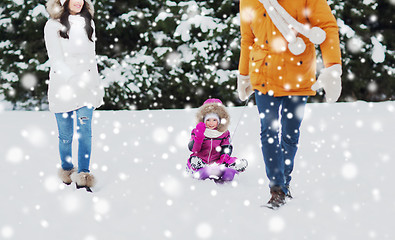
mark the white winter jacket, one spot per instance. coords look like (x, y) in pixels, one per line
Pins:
(74, 78)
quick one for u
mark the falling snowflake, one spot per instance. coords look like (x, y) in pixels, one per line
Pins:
(90, 237)
(70, 203)
(29, 81)
(349, 171)
(171, 186)
(276, 224)
(36, 136)
(376, 194)
(160, 135)
(337, 209)
(44, 223)
(213, 193)
(355, 45)
(101, 206)
(168, 234)
(7, 232)
(173, 59)
(51, 183)
(246, 203)
(15, 155)
(204, 231)
(169, 202)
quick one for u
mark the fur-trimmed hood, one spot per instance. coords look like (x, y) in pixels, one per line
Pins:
(55, 9)
(217, 108)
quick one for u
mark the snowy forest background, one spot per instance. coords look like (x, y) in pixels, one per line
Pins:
(174, 54)
(156, 54)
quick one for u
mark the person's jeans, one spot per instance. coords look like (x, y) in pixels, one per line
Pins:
(280, 122)
(84, 131)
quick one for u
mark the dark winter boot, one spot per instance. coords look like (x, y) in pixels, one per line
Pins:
(83, 180)
(288, 195)
(277, 199)
(197, 163)
(64, 175)
(239, 165)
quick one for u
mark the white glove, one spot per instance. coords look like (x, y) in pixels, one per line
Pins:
(330, 81)
(244, 87)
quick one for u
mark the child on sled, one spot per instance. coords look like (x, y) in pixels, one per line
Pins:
(210, 145)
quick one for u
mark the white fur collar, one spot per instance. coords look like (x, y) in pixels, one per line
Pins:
(212, 133)
(77, 19)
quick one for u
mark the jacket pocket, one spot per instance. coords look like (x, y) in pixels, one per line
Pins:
(257, 66)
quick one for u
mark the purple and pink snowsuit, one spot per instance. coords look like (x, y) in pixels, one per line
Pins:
(211, 147)
(207, 150)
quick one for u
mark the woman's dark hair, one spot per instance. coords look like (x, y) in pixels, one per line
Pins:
(64, 20)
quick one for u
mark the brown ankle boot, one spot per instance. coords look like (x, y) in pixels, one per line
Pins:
(277, 199)
(64, 175)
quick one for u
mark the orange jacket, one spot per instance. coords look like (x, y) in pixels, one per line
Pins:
(265, 55)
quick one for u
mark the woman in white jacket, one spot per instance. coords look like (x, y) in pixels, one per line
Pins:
(74, 85)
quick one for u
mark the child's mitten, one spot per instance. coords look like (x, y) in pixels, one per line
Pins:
(200, 128)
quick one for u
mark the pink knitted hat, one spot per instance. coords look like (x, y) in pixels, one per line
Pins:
(215, 106)
(212, 100)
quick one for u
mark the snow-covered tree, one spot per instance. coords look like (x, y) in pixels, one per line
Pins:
(185, 52)
(366, 34)
(22, 54)
(175, 54)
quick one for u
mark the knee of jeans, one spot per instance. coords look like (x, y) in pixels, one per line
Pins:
(272, 128)
(290, 139)
(66, 138)
(269, 136)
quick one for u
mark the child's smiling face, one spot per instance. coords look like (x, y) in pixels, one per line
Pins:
(211, 123)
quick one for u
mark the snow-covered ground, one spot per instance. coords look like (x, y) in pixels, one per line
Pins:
(342, 182)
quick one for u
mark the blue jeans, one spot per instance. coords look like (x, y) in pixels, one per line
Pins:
(84, 130)
(280, 122)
